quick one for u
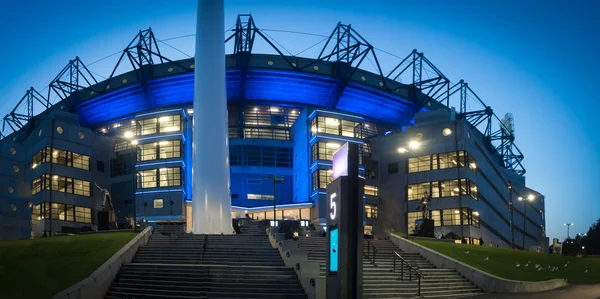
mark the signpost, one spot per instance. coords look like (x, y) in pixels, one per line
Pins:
(276, 180)
(345, 226)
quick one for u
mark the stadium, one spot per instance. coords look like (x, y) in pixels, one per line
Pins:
(131, 135)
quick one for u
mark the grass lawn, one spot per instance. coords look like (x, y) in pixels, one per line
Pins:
(43, 267)
(502, 262)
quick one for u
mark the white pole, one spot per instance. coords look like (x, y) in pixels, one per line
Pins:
(211, 201)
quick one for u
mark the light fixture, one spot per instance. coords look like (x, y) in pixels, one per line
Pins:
(520, 198)
(163, 118)
(414, 144)
(34, 166)
(473, 165)
(128, 134)
(531, 197)
(55, 177)
(294, 112)
(255, 109)
(134, 142)
(456, 189)
(116, 125)
(446, 132)
(163, 143)
(456, 212)
(402, 150)
(367, 125)
(133, 122)
(476, 213)
(103, 130)
(275, 109)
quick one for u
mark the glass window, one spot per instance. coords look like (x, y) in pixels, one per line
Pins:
(412, 217)
(148, 126)
(36, 212)
(58, 211)
(147, 152)
(417, 191)
(371, 190)
(473, 190)
(368, 230)
(447, 160)
(449, 188)
(462, 158)
(325, 150)
(171, 123)
(436, 217)
(147, 179)
(371, 211)
(81, 161)
(321, 178)
(418, 164)
(334, 126)
(170, 149)
(472, 163)
(170, 177)
(158, 203)
(305, 214)
(83, 215)
(36, 186)
(291, 214)
(59, 157)
(451, 217)
(81, 187)
(70, 213)
(475, 218)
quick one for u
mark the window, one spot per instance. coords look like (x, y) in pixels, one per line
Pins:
(36, 186)
(261, 156)
(321, 178)
(334, 126)
(58, 211)
(170, 177)
(171, 123)
(80, 161)
(447, 160)
(368, 230)
(158, 203)
(83, 215)
(449, 188)
(61, 184)
(393, 168)
(324, 150)
(100, 166)
(62, 157)
(170, 149)
(147, 179)
(305, 213)
(371, 211)
(418, 191)
(163, 177)
(147, 152)
(474, 218)
(260, 197)
(148, 126)
(267, 122)
(370, 190)
(422, 163)
(441, 161)
(412, 217)
(451, 217)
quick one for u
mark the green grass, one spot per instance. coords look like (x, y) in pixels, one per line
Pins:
(502, 262)
(43, 267)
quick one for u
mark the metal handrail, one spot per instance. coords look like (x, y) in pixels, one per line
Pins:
(411, 269)
(204, 246)
(369, 245)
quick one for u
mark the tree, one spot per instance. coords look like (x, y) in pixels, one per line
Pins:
(591, 241)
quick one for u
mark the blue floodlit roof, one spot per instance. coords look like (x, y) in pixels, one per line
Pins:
(265, 85)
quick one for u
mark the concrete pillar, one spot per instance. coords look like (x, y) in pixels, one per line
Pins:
(211, 201)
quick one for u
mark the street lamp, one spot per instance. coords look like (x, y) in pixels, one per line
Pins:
(530, 197)
(568, 225)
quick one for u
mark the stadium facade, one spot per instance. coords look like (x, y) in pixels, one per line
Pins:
(132, 133)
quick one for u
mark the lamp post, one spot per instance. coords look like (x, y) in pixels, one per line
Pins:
(568, 225)
(530, 198)
(276, 180)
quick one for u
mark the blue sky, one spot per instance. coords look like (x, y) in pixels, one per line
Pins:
(536, 59)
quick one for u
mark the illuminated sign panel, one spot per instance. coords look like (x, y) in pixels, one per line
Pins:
(340, 162)
(334, 248)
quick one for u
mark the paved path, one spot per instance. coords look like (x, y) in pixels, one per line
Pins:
(581, 291)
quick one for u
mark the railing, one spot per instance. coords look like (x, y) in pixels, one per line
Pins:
(411, 270)
(371, 249)
(204, 246)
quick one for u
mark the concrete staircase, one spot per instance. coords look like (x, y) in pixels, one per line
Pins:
(255, 228)
(178, 265)
(380, 281)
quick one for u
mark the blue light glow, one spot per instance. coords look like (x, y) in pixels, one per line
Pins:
(165, 163)
(160, 191)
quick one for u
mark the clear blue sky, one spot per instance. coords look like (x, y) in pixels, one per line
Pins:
(538, 60)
